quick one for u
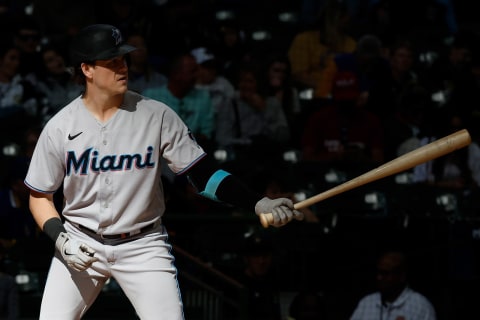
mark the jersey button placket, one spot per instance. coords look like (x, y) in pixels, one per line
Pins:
(105, 181)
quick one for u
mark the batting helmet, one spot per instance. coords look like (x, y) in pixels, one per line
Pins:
(98, 42)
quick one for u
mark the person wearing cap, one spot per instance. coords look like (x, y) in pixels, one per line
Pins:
(104, 150)
(209, 78)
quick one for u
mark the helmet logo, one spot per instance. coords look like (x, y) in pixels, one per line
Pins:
(117, 36)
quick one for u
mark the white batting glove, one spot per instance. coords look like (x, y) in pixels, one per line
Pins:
(281, 209)
(78, 255)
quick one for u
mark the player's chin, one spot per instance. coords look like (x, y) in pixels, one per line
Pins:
(122, 86)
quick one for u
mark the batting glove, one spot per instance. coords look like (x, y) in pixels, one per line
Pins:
(281, 209)
(78, 255)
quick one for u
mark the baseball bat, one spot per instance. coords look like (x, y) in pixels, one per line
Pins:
(404, 162)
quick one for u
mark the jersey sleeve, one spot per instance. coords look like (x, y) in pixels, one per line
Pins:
(46, 170)
(179, 147)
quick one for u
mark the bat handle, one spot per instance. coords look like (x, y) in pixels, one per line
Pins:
(266, 219)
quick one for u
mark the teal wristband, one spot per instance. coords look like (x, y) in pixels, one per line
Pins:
(213, 183)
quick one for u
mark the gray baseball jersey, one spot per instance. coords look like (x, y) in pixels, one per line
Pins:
(106, 168)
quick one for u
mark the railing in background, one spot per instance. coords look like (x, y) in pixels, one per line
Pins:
(207, 293)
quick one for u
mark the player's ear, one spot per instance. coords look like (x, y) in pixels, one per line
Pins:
(87, 69)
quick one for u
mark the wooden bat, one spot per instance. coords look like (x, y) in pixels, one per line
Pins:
(409, 160)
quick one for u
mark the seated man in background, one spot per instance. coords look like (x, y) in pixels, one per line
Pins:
(394, 298)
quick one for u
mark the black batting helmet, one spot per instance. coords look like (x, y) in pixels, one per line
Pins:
(98, 42)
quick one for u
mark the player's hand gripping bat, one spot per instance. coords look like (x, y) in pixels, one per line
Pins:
(409, 160)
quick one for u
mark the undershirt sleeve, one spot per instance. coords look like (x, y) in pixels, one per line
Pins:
(220, 185)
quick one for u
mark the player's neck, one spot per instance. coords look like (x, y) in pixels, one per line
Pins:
(102, 108)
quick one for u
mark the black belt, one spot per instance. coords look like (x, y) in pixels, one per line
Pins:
(118, 236)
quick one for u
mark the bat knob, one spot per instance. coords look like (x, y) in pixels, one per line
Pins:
(266, 219)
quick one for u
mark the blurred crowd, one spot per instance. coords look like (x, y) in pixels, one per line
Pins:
(261, 84)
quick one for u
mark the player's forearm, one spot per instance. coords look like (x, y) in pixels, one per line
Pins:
(42, 208)
(220, 185)
(233, 191)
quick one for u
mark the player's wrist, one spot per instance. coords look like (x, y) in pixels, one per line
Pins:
(53, 227)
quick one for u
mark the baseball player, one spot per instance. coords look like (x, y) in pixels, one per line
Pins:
(105, 149)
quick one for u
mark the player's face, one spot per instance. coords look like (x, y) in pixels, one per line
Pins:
(111, 75)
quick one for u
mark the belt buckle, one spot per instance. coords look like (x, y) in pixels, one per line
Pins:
(114, 237)
(128, 234)
(138, 231)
